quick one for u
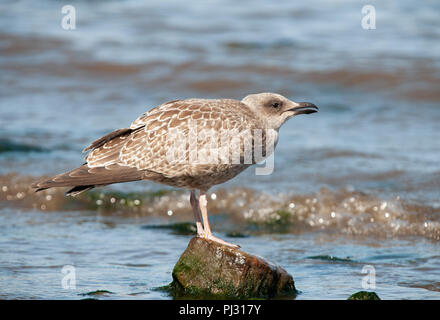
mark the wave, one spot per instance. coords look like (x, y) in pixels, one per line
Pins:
(7, 145)
(418, 82)
(249, 211)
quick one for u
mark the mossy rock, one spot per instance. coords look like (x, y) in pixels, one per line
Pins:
(364, 295)
(330, 258)
(97, 293)
(210, 270)
(178, 228)
(237, 234)
(279, 222)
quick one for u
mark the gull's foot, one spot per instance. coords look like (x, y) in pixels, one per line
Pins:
(211, 237)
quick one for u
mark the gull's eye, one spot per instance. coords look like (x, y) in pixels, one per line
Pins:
(275, 104)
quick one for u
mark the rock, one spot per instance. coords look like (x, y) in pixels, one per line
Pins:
(97, 293)
(364, 295)
(210, 270)
(179, 228)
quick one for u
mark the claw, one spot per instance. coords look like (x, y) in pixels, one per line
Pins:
(213, 238)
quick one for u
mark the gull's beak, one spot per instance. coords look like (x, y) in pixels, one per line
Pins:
(303, 108)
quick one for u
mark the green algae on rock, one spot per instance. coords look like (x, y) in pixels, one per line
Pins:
(331, 258)
(237, 234)
(279, 221)
(364, 295)
(210, 270)
(178, 228)
(97, 293)
(11, 146)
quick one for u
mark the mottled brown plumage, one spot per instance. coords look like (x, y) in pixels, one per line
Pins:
(193, 127)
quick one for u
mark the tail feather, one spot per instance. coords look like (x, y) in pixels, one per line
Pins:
(112, 135)
(99, 173)
(77, 190)
(84, 178)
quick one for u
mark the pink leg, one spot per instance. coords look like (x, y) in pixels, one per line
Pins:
(207, 229)
(195, 205)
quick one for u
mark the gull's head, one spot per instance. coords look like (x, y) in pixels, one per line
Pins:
(275, 109)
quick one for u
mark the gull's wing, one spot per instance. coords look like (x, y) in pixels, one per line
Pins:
(140, 151)
(146, 144)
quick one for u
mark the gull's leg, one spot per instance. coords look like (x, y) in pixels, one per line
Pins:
(207, 229)
(195, 206)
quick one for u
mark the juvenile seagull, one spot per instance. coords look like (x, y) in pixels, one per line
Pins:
(145, 150)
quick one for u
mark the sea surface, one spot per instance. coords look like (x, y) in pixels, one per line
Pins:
(355, 187)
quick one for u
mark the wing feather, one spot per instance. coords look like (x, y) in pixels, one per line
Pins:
(140, 151)
(147, 149)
